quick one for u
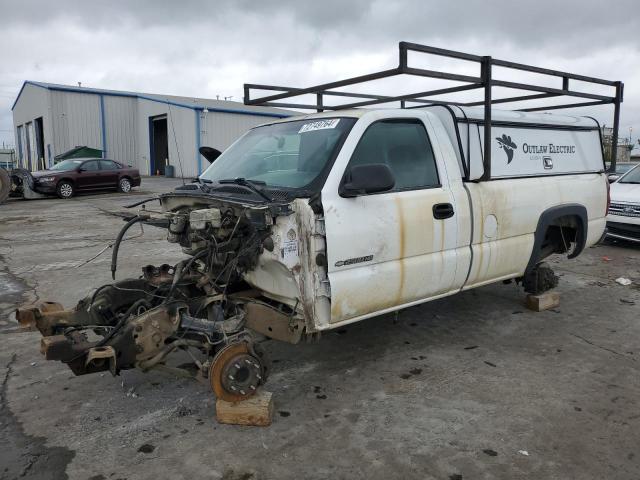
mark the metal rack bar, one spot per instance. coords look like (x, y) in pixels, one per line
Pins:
(411, 96)
(484, 81)
(567, 105)
(327, 86)
(514, 99)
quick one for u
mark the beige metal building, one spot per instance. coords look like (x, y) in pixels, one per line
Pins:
(144, 130)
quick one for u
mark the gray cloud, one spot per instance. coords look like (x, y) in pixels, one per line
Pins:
(203, 48)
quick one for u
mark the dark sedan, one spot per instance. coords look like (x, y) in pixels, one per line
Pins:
(68, 177)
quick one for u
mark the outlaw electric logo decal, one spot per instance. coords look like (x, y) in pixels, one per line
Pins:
(551, 148)
(507, 145)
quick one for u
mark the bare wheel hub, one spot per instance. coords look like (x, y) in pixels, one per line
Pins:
(235, 373)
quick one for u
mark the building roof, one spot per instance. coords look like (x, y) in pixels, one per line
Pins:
(177, 101)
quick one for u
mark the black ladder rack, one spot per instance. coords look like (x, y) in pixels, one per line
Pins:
(485, 82)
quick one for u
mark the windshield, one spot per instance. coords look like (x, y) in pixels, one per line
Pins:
(623, 167)
(633, 176)
(290, 154)
(67, 165)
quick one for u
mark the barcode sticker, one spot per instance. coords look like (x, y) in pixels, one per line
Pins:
(319, 125)
(290, 249)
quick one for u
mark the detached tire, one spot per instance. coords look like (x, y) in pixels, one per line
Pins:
(65, 189)
(124, 185)
(5, 185)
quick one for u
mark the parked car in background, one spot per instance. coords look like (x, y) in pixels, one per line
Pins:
(623, 220)
(74, 175)
(621, 169)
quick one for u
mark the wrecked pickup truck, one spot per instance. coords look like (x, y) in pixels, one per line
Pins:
(311, 223)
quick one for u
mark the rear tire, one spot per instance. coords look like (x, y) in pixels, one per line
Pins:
(65, 189)
(124, 185)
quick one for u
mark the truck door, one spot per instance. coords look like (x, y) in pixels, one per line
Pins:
(398, 247)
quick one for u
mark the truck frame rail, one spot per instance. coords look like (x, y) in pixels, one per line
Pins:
(485, 81)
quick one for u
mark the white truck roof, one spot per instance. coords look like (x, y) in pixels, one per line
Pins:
(477, 113)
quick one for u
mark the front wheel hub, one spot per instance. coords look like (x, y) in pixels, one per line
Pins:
(236, 373)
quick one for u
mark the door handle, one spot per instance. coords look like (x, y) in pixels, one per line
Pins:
(442, 211)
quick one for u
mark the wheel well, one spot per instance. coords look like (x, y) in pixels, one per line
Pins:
(127, 177)
(558, 229)
(66, 179)
(560, 234)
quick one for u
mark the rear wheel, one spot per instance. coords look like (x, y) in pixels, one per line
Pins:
(124, 185)
(65, 189)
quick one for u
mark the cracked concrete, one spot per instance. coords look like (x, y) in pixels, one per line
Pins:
(21, 455)
(454, 389)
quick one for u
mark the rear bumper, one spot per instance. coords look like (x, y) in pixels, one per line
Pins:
(135, 182)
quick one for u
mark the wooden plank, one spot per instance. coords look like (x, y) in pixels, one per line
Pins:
(255, 411)
(544, 301)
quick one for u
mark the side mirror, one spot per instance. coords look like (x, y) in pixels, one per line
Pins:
(210, 153)
(80, 169)
(369, 178)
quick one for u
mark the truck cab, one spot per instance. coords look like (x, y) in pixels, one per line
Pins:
(357, 247)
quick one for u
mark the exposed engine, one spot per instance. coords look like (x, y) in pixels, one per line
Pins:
(202, 305)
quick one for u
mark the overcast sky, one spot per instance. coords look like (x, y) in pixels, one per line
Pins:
(205, 48)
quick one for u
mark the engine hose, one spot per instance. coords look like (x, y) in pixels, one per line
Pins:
(116, 244)
(181, 268)
(123, 320)
(95, 294)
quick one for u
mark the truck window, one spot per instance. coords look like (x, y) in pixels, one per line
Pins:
(404, 146)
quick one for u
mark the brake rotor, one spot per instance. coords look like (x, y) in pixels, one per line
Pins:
(235, 372)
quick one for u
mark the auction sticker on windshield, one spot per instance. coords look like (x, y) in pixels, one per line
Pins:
(319, 125)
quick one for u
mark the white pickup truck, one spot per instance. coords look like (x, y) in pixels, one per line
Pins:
(314, 222)
(393, 222)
